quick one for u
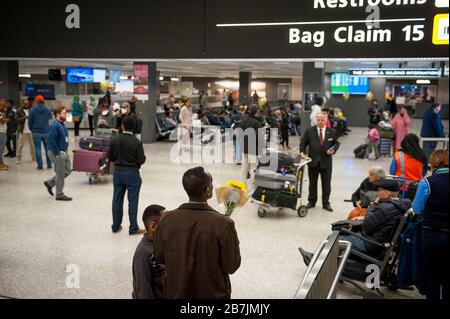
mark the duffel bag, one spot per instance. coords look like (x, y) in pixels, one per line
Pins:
(97, 144)
(360, 151)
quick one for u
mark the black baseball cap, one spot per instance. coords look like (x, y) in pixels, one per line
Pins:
(389, 185)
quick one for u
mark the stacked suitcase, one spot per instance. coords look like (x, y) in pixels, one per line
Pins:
(277, 188)
(386, 147)
(387, 136)
(92, 158)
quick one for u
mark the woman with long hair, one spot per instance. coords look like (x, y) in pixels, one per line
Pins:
(410, 162)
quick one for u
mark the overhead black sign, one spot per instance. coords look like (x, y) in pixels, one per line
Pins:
(142, 29)
(319, 29)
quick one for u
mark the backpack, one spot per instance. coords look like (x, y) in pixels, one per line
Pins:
(374, 136)
(360, 151)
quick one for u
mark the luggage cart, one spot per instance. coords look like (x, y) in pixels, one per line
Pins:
(92, 161)
(260, 196)
(385, 147)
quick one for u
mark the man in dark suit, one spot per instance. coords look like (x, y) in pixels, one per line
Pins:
(323, 144)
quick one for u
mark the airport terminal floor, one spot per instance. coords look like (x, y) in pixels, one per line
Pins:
(40, 237)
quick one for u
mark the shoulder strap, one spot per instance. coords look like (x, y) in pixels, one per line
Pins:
(402, 164)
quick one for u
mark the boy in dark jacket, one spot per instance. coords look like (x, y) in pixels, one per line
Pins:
(148, 276)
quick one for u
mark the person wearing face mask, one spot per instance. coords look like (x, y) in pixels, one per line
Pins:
(106, 119)
(128, 113)
(401, 123)
(377, 225)
(198, 245)
(432, 127)
(24, 131)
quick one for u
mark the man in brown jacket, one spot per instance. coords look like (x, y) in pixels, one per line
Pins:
(198, 245)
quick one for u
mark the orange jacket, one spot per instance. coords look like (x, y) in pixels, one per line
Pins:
(413, 167)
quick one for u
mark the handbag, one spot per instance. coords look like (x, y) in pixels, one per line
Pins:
(366, 198)
(353, 225)
(76, 119)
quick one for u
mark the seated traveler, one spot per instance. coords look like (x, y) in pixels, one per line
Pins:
(168, 123)
(362, 197)
(380, 221)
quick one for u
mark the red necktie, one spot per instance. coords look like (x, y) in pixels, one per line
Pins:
(321, 137)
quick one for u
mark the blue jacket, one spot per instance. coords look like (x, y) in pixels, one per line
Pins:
(432, 125)
(57, 137)
(39, 118)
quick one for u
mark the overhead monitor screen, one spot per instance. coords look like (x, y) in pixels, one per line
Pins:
(80, 75)
(339, 83)
(343, 83)
(99, 75)
(114, 76)
(124, 86)
(358, 85)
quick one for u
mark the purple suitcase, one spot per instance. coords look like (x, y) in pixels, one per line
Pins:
(97, 144)
(90, 161)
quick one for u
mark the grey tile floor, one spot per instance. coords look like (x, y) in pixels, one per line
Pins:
(39, 237)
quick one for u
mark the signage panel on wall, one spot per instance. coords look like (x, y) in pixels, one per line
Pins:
(307, 29)
(33, 90)
(140, 72)
(397, 73)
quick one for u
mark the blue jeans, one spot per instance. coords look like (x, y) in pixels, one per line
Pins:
(39, 138)
(2, 145)
(126, 181)
(429, 148)
(357, 243)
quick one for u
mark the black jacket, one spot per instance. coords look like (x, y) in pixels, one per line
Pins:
(127, 152)
(148, 276)
(11, 122)
(382, 219)
(250, 122)
(365, 186)
(317, 152)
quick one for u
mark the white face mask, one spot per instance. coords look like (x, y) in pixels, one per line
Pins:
(124, 111)
(104, 113)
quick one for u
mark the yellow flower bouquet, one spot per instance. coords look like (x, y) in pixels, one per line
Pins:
(233, 194)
